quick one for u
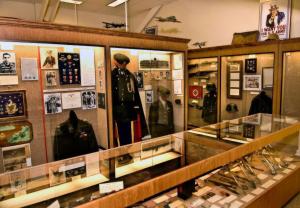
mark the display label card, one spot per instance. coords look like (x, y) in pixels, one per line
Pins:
(92, 164)
(292, 166)
(287, 171)
(228, 199)
(278, 177)
(87, 65)
(257, 191)
(175, 204)
(105, 188)
(248, 198)
(9, 80)
(161, 199)
(202, 191)
(54, 205)
(29, 69)
(236, 204)
(262, 176)
(214, 198)
(28, 162)
(71, 100)
(268, 183)
(197, 203)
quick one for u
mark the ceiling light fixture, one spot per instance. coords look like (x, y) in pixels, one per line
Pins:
(116, 3)
(72, 1)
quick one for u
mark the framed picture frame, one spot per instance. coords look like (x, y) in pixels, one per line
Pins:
(234, 79)
(8, 63)
(267, 77)
(252, 82)
(149, 96)
(13, 105)
(274, 18)
(250, 65)
(49, 58)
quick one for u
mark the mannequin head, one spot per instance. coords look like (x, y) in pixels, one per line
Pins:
(121, 60)
(211, 87)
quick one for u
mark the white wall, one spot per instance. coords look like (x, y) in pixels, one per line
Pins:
(213, 21)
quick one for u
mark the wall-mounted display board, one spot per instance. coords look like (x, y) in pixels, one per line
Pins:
(66, 77)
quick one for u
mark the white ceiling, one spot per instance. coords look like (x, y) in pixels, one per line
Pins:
(99, 6)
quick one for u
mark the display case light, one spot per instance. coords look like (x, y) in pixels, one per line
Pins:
(116, 3)
(72, 1)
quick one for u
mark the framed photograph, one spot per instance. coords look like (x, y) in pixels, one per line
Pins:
(88, 99)
(14, 133)
(140, 79)
(151, 30)
(48, 58)
(13, 105)
(252, 82)
(29, 69)
(234, 79)
(50, 78)
(7, 63)
(101, 100)
(69, 68)
(149, 96)
(274, 18)
(152, 61)
(71, 100)
(53, 103)
(267, 77)
(250, 65)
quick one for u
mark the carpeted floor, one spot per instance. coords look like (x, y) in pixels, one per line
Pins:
(294, 203)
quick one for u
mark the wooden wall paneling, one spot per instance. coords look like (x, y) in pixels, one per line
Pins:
(156, 185)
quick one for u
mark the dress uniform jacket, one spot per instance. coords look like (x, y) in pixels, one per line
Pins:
(261, 104)
(161, 119)
(71, 142)
(209, 110)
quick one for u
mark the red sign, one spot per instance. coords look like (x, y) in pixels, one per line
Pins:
(195, 92)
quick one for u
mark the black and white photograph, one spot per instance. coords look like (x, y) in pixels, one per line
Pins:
(101, 100)
(250, 65)
(140, 79)
(7, 63)
(149, 96)
(88, 99)
(50, 78)
(48, 58)
(53, 103)
(252, 82)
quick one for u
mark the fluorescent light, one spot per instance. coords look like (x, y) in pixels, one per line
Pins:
(116, 3)
(72, 1)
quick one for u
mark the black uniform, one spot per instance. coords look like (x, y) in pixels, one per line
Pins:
(261, 103)
(209, 111)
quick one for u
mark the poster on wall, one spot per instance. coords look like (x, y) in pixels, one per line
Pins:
(29, 69)
(88, 99)
(71, 100)
(12, 105)
(274, 18)
(69, 68)
(7, 63)
(52, 103)
(48, 58)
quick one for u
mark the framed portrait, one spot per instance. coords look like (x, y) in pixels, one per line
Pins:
(274, 18)
(48, 58)
(267, 77)
(250, 65)
(7, 63)
(53, 103)
(50, 78)
(13, 105)
(88, 99)
(234, 79)
(252, 82)
(69, 68)
(149, 96)
(14, 133)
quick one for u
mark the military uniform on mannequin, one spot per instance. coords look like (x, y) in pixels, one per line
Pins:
(161, 118)
(209, 110)
(127, 106)
(74, 137)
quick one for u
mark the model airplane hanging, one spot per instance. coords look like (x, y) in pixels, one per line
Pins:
(113, 25)
(200, 44)
(167, 19)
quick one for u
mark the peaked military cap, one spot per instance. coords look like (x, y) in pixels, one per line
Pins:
(121, 58)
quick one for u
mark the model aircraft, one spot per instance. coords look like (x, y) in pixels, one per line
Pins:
(200, 44)
(167, 19)
(113, 25)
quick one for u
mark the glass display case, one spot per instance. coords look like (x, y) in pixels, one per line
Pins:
(148, 93)
(203, 88)
(290, 100)
(247, 83)
(49, 95)
(259, 147)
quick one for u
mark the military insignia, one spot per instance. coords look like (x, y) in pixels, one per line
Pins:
(69, 68)
(12, 105)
